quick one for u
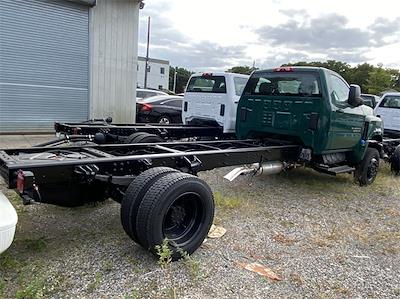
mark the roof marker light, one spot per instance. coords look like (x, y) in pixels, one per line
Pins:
(284, 69)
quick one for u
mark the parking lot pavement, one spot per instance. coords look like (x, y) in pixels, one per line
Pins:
(18, 141)
(325, 237)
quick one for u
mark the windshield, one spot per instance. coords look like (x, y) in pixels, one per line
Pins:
(279, 83)
(391, 102)
(211, 84)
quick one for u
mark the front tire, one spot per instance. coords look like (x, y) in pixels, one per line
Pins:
(395, 161)
(178, 207)
(367, 170)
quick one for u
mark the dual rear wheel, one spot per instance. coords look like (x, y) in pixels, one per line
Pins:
(162, 203)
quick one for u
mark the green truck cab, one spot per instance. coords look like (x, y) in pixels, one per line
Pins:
(316, 108)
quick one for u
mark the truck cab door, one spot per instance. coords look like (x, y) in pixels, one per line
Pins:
(346, 121)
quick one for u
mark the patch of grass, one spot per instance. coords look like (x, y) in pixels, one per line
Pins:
(224, 202)
(134, 294)
(107, 266)
(32, 290)
(2, 286)
(172, 293)
(396, 292)
(164, 254)
(94, 284)
(343, 186)
(35, 244)
(9, 262)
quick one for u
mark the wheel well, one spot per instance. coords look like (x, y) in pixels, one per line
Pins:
(376, 142)
(378, 138)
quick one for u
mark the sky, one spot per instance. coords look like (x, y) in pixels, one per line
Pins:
(219, 34)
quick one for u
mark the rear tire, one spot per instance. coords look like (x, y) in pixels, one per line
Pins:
(134, 195)
(178, 207)
(395, 161)
(143, 137)
(367, 170)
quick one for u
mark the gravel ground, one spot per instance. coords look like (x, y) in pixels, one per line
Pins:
(326, 237)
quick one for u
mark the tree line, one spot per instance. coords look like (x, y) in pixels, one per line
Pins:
(372, 79)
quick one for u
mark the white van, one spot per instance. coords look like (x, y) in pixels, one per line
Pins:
(212, 98)
(388, 109)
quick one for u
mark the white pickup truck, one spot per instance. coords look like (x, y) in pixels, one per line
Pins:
(212, 98)
(388, 108)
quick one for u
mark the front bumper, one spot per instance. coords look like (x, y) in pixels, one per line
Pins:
(8, 223)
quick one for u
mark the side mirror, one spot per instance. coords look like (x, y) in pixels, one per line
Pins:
(355, 99)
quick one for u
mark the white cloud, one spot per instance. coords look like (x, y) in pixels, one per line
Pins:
(219, 34)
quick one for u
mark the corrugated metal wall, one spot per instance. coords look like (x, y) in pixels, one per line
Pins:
(44, 64)
(113, 40)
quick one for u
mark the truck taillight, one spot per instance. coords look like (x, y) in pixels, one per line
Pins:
(206, 75)
(20, 181)
(284, 69)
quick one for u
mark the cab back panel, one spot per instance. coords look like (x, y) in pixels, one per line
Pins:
(287, 105)
(285, 116)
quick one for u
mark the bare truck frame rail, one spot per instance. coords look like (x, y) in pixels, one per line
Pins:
(159, 195)
(121, 132)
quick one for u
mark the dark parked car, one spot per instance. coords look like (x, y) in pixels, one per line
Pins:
(370, 99)
(146, 93)
(159, 109)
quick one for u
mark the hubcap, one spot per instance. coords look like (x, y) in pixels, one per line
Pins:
(164, 121)
(372, 169)
(183, 219)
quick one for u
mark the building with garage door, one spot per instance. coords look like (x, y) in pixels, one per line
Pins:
(66, 60)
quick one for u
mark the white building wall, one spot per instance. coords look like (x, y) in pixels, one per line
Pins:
(154, 78)
(113, 34)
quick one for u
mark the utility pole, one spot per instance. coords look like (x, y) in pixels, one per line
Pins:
(175, 74)
(147, 54)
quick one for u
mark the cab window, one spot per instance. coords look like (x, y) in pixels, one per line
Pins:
(390, 102)
(211, 84)
(240, 83)
(299, 84)
(340, 91)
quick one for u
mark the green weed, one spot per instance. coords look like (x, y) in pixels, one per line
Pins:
(94, 284)
(164, 254)
(191, 263)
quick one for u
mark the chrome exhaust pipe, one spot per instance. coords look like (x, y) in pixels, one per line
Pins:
(256, 169)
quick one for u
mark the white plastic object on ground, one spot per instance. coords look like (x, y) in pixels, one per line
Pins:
(8, 223)
(216, 232)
